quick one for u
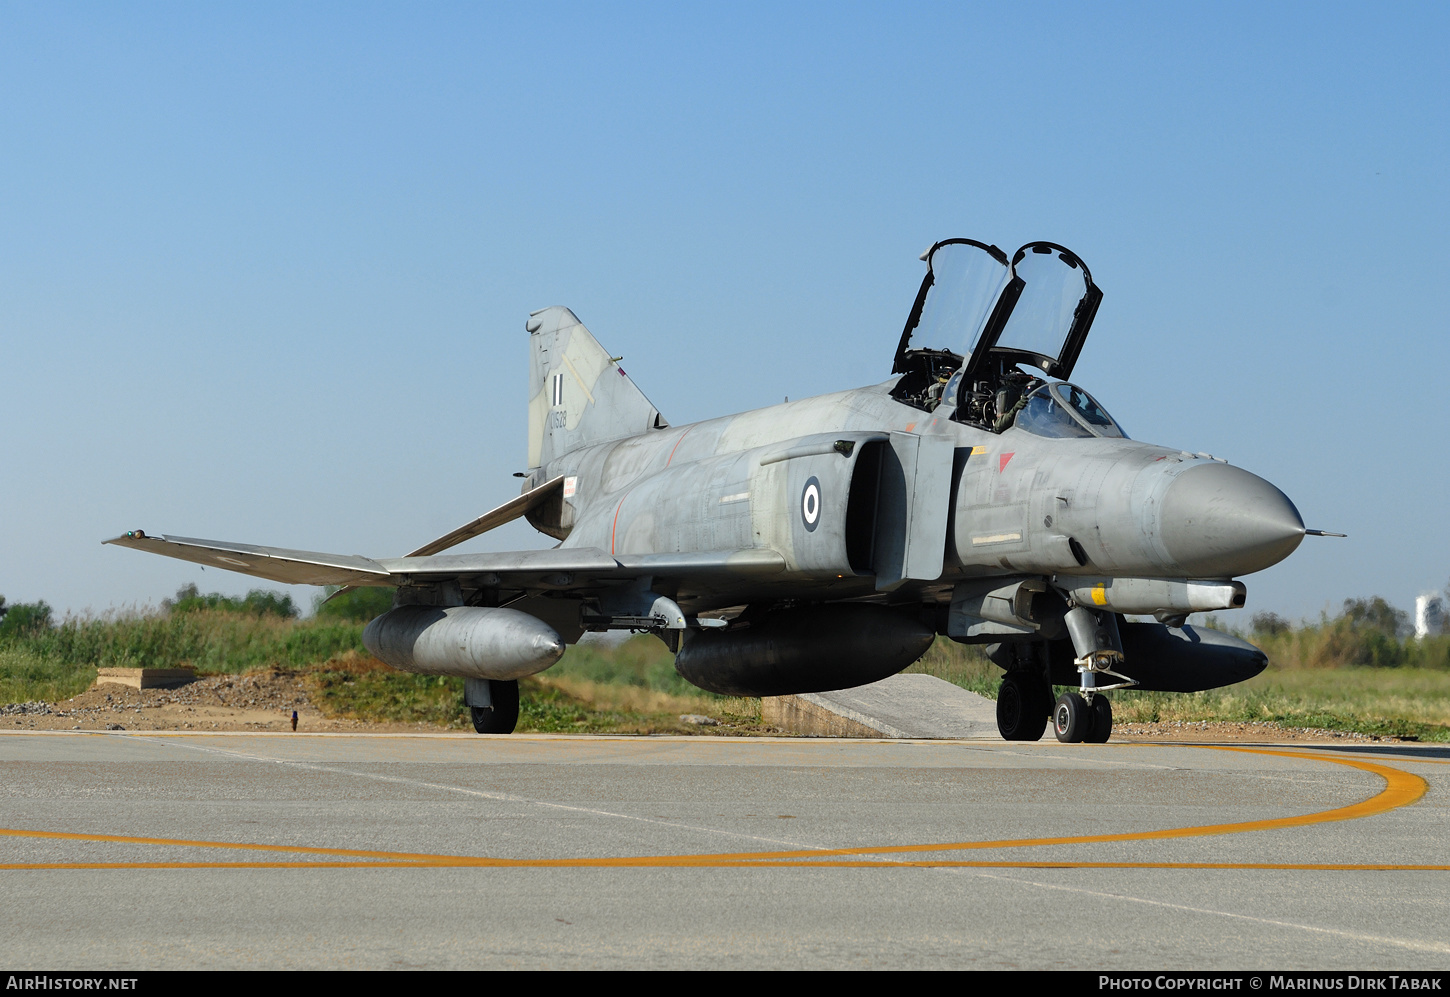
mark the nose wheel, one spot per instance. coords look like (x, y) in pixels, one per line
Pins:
(1102, 720)
(1074, 721)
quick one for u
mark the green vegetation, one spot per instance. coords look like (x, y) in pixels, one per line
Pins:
(210, 633)
(626, 688)
(965, 665)
(1357, 671)
(257, 602)
(1369, 633)
(358, 605)
(1400, 702)
(23, 617)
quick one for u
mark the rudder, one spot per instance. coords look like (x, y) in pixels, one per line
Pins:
(578, 394)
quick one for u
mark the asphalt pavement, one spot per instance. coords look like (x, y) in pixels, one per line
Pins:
(281, 851)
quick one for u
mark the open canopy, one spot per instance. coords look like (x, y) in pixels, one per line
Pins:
(976, 309)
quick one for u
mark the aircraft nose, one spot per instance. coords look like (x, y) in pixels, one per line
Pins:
(1219, 520)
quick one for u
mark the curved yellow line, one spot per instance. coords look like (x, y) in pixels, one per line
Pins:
(230, 845)
(1401, 789)
(690, 862)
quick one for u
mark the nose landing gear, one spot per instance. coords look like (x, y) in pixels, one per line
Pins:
(1087, 715)
(1076, 720)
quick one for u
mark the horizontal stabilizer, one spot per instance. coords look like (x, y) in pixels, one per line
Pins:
(494, 518)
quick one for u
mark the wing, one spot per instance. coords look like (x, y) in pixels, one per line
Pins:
(278, 564)
(572, 569)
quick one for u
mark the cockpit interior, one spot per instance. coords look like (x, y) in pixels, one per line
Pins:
(983, 327)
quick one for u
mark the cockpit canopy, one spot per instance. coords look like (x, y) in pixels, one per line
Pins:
(978, 315)
(1064, 410)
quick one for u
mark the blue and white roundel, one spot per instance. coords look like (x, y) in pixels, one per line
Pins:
(811, 504)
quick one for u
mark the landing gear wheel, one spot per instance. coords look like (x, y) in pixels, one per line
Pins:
(1072, 719)
(1022, 709)
(1102, 720)
(503, 716)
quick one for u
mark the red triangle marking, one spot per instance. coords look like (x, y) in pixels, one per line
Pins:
(1002, 460)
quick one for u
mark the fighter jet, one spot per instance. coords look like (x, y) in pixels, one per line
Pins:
(976, 494)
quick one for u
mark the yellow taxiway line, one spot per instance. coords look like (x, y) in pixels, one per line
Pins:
(1401, 789)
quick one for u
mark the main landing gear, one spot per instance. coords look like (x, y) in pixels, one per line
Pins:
(494, 704)
(1023, 703)
(1025, 706)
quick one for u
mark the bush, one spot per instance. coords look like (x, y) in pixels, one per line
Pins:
(1269, 625)
(1376, 614)
(361, 604)
(257, 602)
(23, 618)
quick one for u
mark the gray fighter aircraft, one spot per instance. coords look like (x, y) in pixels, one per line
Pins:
(825, 543)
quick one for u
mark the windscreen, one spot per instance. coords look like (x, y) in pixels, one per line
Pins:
(1061, 411)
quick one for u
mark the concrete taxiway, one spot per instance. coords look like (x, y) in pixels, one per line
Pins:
(455, 851)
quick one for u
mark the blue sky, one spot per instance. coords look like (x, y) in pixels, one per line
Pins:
(264, 268)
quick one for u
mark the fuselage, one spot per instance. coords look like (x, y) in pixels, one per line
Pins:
(1018, 502)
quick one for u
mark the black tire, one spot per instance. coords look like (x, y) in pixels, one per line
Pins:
(503, 716)
(1071, 718)
(1102, 721)
(1022, 709)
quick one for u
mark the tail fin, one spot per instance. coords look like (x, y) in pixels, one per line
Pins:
(578, 394)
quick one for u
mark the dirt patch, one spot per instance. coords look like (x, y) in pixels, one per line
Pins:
(1256, 732)
(254, 701)
(264, 701)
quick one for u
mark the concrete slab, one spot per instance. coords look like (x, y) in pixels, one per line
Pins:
(914, 706)
(146, 678)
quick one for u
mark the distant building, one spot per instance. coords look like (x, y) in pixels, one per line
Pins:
(1429, 614)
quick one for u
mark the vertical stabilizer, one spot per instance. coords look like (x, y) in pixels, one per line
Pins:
(578, 394)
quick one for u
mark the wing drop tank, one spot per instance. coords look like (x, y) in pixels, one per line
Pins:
(469, 641)
(812, 649)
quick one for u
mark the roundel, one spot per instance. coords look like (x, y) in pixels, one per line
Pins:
(811, 504)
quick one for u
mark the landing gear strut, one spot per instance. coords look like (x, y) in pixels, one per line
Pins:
(1087, 715)
(494, 705)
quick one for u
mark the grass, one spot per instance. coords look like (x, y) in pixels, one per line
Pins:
(1331, 675)
(1399, 702)
(25, 677)
(594, 689)
(960, 664)
(58, 662)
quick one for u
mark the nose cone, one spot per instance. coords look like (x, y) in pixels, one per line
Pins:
(1219, 520)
